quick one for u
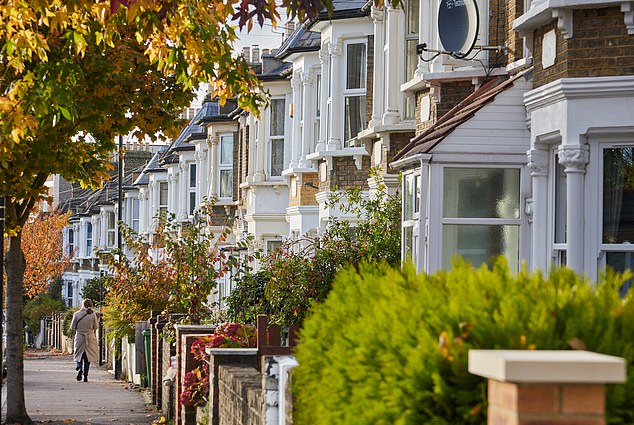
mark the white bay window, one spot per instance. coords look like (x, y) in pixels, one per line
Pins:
(225, 167)
(617, 229)
(354, 91)
(276, 137)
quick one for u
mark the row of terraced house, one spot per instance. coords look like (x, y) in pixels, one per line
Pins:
(521, 148)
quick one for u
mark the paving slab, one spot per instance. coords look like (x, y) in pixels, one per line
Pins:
(54, 396)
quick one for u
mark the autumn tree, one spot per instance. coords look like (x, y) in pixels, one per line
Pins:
(71, 79)
(43, 251)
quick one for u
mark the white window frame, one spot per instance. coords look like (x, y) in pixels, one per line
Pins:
(484, 220)
(163, 203)
(409, 106)
(89, 238)
(192, 201)
(111, 231)
(413, 220)
(355, 92)
(278, 138)
(269, 241)
(559, 250)
(605, 248)
(224, 167)
(317, 113)
(135, 207)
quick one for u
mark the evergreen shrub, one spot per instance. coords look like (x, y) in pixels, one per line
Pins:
(391, 347)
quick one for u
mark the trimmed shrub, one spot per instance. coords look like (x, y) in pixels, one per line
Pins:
(391, 347)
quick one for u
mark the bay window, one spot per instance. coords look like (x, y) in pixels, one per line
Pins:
(135, 214)
(276, 136)
(317, 130)
(225, 167)
(559, 216)
(411, 57)
(411, 216)
(163, 191)
(71, 241)
(481, 215)
(88, 239)
(111, 229)
(617, 230)
(192, 189)
(354, 91)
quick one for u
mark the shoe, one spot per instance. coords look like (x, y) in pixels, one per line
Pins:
(85, 378)
(79, 374)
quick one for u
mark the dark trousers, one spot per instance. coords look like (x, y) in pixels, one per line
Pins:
(84, 364)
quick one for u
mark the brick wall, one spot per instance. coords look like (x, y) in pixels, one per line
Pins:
(305, 194)
(345, 174)
(542, 404)
(397, 142)
(240, 396)
(599, 47)
(514, 9)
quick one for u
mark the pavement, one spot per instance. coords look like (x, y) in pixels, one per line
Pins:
(53, 395)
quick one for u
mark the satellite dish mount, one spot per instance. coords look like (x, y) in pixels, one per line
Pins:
(458, 26)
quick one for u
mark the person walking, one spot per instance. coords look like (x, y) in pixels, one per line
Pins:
(86, 347)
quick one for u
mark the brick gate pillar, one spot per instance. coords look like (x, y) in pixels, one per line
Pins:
(528, 387)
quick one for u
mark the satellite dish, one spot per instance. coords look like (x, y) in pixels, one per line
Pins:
(458, 23)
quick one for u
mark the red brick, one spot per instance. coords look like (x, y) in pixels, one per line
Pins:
(538, 398)
(583, 399)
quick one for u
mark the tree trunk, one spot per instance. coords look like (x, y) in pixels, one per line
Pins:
(16, 408)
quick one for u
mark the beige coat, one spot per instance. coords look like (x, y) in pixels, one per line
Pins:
(86, 325)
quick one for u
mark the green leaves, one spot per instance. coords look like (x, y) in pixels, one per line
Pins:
(393, 345)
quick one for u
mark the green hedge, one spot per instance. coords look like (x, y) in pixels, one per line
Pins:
(391, 347)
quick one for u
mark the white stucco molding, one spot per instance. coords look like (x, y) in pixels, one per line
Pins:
(578, 88)
(377, 13)
(574, 157)
(537, 161)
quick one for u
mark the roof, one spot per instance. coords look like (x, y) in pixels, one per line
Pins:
(210, 111)
(343, 9)
(458, 115)
(152, 166)
(300, 40)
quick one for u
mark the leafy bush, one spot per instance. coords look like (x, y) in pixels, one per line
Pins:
(391, 347)
(39, 307)
(68, 318)
(248, 300)
(301, 272)
(196, 382)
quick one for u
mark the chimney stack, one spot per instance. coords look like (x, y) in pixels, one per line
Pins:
(255, 54)
(246, 53)
(290, 27)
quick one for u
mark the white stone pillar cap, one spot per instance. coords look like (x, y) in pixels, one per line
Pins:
(547, 366)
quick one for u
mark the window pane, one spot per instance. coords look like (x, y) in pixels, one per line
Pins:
(411, 59)
(620, 262)
(355, 58)
(226, 150)
(192, 202)
(226, 183)
(163, 194)
(413, 7)
(560, 202)
(318, 96)
(478, 243)
(192, 175)
(408, 207)
(277, 157)
(618, 195)
(354, 117)
(277, 117)
(408, 242)
(481, 192)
